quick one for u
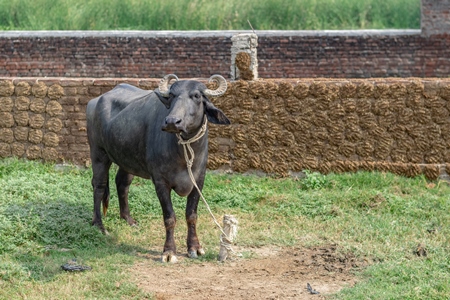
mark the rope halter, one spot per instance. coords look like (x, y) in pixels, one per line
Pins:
(187, 143)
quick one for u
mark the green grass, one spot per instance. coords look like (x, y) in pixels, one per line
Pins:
(208, 15)
(45, 219)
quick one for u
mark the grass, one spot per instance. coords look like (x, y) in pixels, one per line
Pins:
(45, 216)
(208, 15)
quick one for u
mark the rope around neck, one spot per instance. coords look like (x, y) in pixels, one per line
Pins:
(189, 155)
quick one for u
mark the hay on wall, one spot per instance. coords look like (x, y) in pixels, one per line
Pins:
(393, 125)
(278, 126)
(29, 120)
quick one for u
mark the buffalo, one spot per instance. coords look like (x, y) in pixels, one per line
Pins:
(142, 132)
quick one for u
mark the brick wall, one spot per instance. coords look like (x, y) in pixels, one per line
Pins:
(435, 17)
(102, 55)
(354, 55)
(283, 54)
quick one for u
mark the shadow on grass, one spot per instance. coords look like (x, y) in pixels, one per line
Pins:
(37, 238)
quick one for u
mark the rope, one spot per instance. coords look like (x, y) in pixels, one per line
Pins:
(189, 155)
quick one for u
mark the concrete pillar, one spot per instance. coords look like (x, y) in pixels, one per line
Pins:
(435, 17)
(244, 48)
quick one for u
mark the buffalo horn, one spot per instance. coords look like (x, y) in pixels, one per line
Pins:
(164, 87)
(220, 90)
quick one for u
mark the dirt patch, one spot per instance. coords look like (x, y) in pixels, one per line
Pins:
(271, 273)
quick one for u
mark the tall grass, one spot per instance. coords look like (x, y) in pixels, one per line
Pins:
(45, 221)
(208, 15)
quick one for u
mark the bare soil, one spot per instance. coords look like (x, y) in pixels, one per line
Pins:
(269, 273)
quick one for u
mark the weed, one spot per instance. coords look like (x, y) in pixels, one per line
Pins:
(314, 181)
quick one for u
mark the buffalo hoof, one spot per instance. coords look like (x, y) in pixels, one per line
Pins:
(196, 253)
(104, 231)
(130, 220)
(101, 227)
(169, 256)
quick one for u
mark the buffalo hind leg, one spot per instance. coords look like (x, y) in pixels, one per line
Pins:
(123, 182)
(193, 245)
(170, 220)
(100, 184)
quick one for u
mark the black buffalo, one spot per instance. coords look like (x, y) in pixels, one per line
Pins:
(137, 130)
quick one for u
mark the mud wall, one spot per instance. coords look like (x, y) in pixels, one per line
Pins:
(46, 118)
(278, 126)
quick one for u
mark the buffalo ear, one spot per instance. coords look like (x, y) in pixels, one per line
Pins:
(163, 99)
(215, 115)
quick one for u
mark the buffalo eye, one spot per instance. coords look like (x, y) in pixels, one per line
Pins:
(197, 96)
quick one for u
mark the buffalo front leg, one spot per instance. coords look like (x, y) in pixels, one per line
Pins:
(170, 220)
(193, 245)
(100, 185)
(123, 182)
